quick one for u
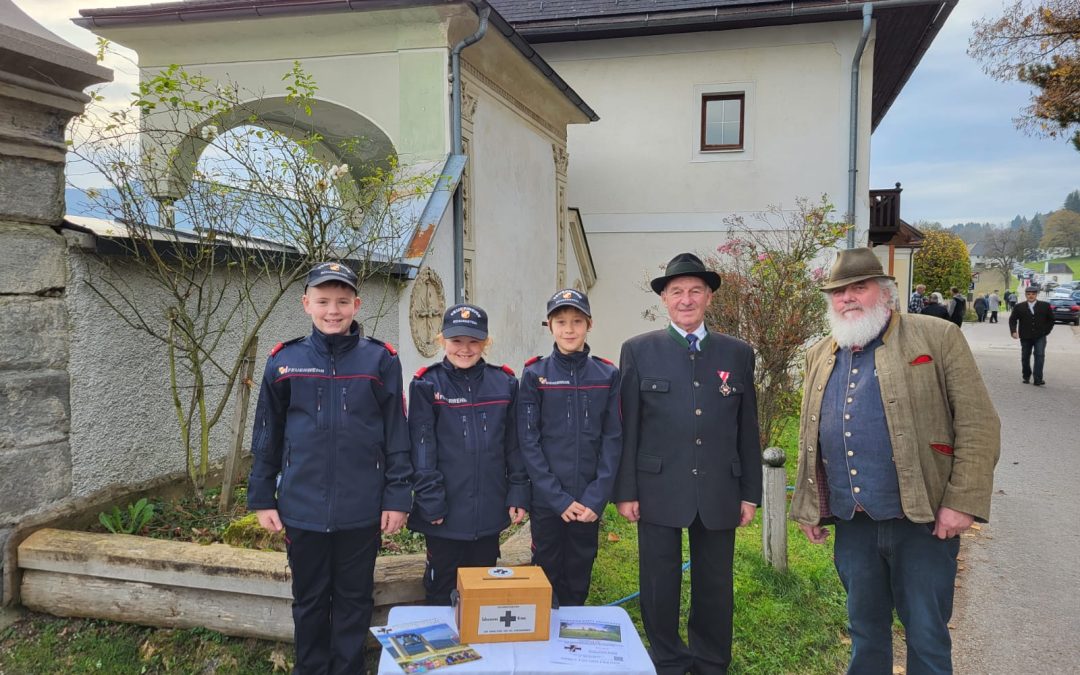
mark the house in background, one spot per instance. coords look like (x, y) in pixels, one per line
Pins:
(719, 108)
(893, 239)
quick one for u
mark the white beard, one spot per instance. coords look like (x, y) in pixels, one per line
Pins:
(852, 331)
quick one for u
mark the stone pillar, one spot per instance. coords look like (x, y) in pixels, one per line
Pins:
(41, 88)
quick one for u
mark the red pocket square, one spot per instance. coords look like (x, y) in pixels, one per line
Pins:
(942, 448)
(920, 359)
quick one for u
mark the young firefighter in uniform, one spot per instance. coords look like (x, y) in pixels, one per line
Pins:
(571, 437)
(331, 466)
(469, 480)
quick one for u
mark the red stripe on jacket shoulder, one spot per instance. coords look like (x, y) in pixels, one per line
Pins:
(390, 348)
(420, 373)
(277, 348)
(921, 359)
(508, 370)
(603, 360)
(533, 360)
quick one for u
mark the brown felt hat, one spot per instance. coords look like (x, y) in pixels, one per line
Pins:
(852, 265)
(685, 265)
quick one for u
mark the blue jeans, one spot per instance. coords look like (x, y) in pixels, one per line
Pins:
(1026, 347)
(897, 563)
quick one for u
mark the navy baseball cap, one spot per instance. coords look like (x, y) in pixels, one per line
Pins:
(331, 271)
(465, 320)
(569, 297)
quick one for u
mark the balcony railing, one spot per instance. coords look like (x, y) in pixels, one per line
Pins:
(884, 214)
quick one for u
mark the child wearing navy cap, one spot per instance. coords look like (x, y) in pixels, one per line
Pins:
(331, 466)
(571, 436)
(469, 479)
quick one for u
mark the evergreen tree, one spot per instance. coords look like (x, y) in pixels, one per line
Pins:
(1072, 202)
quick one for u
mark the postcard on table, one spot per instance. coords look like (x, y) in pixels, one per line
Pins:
(588, 642)
(423, 646)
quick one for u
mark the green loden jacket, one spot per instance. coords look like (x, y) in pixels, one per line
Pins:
(946, 436)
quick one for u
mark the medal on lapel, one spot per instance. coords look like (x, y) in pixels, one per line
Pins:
(725, 388)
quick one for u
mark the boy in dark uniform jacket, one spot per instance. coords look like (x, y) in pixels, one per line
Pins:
(470, 481)
(571, 438)
(331, 466)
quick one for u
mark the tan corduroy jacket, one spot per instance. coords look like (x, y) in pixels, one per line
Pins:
(945, 433)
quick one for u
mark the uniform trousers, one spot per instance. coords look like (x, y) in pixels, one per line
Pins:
(566, 552)
(711, 597)
(332, 586)
(897, 563)
(445, 556)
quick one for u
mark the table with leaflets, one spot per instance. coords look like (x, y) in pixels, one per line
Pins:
(620, 653)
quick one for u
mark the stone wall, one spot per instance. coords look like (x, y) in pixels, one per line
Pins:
(41, 83)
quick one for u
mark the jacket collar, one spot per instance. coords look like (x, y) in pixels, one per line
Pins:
(464, 373)
(574, 360)
(336, 344)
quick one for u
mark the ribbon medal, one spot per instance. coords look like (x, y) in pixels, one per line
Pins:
(725, 388)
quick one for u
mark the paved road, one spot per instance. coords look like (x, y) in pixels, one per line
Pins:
(1018, 605)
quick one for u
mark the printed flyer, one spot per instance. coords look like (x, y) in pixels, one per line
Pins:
(423, 646)
(592, 643)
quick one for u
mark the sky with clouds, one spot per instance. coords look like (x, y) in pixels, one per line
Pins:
(949, 138)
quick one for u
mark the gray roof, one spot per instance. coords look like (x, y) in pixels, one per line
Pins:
(1059, 268)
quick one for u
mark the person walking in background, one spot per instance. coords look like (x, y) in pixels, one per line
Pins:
(1031, 322)
(898, 493)
(935, 306)
(917, 300)
(957, 307)
(981, 306)
(993, 305)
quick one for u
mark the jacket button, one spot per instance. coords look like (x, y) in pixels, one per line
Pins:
(856, 490)
(696, 383)
(698, 411)
(813, 418)
(697, 442)
(810, 480)
(854, 472)
(809, 448)
(654, 386)
(819, 387)
(693, 471)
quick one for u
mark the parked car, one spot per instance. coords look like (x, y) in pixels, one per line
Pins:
(1061, 292)
(1066, 310)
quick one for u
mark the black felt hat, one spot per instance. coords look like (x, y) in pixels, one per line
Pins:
(686, 265)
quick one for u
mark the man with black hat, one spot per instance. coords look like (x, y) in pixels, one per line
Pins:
(691, 460)
(898, 440)
(1031, 322)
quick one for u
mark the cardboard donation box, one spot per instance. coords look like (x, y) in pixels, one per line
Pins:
(502, 604)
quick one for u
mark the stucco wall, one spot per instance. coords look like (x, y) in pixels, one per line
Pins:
(123, 424)
(645, 194)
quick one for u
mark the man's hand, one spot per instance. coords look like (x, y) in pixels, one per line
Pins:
(815, 533)
(630, 510)
(573, 512)
(517, 514)
(392, 521)
(1016, 336)
(269, 519)
(746, 513)
(587, 515)
(950, 523)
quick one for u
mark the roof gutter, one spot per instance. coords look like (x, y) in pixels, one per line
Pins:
(853, 120)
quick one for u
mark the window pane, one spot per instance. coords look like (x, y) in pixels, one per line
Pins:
(731, 133)
(731, 110)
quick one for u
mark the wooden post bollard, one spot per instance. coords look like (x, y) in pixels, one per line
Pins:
(239, 422)
(774, 508)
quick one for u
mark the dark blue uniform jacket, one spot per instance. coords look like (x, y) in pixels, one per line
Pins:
(570, 429)
(331, 421)
(467, 466)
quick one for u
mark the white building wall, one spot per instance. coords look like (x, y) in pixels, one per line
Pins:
(646, 193)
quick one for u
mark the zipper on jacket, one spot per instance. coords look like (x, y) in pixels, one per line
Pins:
(345, 399)
(464, 426)
(483, 421)
(332, 453)
(586, 397)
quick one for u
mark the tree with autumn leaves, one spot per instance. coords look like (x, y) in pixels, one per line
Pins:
(942, 262)
(1037, 43)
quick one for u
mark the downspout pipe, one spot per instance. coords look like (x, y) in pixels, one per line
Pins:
(455, 138)
(853, 124)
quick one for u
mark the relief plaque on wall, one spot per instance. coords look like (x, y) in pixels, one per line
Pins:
(426, 307)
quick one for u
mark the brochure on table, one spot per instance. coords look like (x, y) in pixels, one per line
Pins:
(587, 642)
(423, 646)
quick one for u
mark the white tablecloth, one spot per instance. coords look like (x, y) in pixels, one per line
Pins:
(529, 658)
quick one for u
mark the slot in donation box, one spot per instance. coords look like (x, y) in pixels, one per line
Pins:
(502, 604)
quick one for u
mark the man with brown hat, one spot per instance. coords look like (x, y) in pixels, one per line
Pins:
(897, 445)
(691, 460)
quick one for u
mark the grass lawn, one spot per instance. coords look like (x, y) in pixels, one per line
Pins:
(1073, 263)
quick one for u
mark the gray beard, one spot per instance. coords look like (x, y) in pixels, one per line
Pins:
(858, 332)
